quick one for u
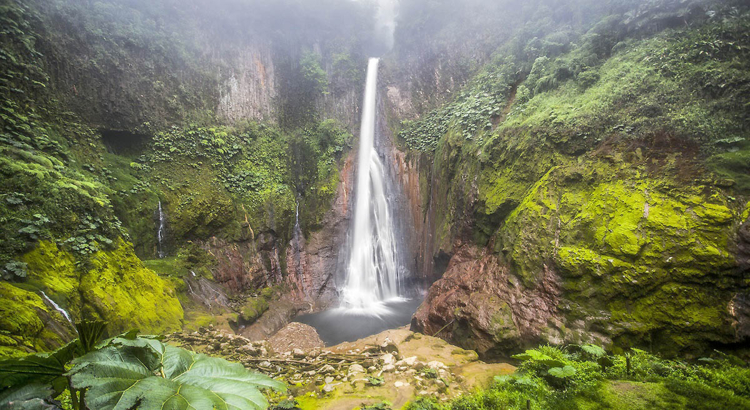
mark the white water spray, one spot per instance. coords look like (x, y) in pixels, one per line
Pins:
(297, 248)
(161, 232)
(58, 308)
(372, 272)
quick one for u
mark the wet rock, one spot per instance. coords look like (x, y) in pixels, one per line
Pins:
(477, 306)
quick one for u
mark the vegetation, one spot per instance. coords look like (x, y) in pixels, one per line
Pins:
(81, 183)
(129, 371)
(603, 141)
(585, 377)
(606, 131)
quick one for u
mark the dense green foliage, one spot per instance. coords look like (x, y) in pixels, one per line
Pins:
(585, 86)
(110, 107)
(584, 377)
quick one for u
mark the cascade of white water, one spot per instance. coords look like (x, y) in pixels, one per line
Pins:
(160, 233)
(58, 308)
(297, 248)
(372, 271)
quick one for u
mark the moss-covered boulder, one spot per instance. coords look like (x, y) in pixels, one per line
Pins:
(24, 323)
(654, 256)
(119, 289)
(111, 285)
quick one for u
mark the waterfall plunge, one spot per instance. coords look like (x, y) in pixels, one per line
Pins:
(372, 271)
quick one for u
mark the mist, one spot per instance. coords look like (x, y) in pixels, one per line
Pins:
(385, 25)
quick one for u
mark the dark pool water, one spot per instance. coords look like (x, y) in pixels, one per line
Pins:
(345, 325)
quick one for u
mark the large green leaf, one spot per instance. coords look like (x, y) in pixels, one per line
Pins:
(151, 375)
(562, 372)
(43, 368)
(593, 350)
(28, 397)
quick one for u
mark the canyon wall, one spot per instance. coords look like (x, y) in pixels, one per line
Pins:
(552, 209)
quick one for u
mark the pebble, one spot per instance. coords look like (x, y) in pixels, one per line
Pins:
(388, 359)
(435, 365)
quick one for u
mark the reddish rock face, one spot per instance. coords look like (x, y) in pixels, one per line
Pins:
(242, 266)
(479, 306)
(312, 263)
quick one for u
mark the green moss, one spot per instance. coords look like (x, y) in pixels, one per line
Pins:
(22, 329)
(674, 316)
(253, 309)
(574, 261)
(636, 396)
(196, 322)
(633, 245)
(733, 166)
(172, 266)
(55, 272)
(120, 290)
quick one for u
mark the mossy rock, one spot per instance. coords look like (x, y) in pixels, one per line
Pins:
(254, 309)
(112, 285)
(23, 327)
(54, 271)
(655, 255)
(119, 289)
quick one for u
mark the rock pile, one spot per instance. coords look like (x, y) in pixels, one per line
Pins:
(319, 371)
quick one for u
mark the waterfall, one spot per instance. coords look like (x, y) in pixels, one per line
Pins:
(161, 233)
(372, 270)
(58, 308)
(297, 248)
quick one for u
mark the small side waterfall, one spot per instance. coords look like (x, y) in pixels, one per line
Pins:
(372, 270)
(58, 308)
(161, 233)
